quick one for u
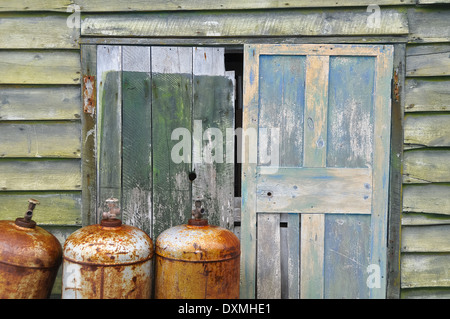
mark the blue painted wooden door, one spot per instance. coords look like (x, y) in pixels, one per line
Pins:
(317, 132)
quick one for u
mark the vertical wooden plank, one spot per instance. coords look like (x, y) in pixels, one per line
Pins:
(395, 183)
(382, 139)
(350, 143)
(346, 256)
(281, 108)
(268, 257)
(109, 122)
(293, 243)
(171, 109)
(88, 134)
(248, 207)
(312, 256)
(313, 225)
(136, 138)
(213, 119)
(316, 108)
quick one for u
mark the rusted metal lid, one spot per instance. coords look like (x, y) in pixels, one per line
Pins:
(114, 222)
(198, 222)
(198, 243)
(100, 245)
(28, 247)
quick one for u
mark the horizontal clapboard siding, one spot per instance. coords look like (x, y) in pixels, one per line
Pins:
(40, 67)
(55, 208)
(426, 190)
(40, 139)
(40, 115)
(180, 5)
(37, 102)
(34, 175)
(293, 22)
(37, 30)
(427, 94)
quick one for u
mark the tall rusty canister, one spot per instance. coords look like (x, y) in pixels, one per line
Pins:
(197, 261)
(109, 260)
(29, 258)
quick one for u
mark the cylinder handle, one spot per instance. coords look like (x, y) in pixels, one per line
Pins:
(27, 221)
(197, 214)
(110, 217)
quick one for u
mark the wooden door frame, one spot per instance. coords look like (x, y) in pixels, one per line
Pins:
(88, 120)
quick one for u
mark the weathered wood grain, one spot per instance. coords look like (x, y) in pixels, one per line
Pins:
(427, 130)
(426, 239)
(55, 208)
(426, 166)
(268, 257)
(432, 1)
(40, 67)
(426, 293)
(35, 5)
(395, 176)
(172, 109)
(293, 251)
(350, 123)
(136, 138)
(34, 175)
(37, 31)
(252, 23)
(428, 24)
(312, 247)
(427, 94)
(428, 60)
(40, 102)
(425, 270)
(347, 191)
(40, 139)
(346, 256)
(89, 135)
(213, 115)
(420, 219)
(109, 123)
(428, 198)
(248, 206)
(179, 5)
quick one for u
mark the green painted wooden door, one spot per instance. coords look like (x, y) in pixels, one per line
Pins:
(317, 118)
(158, 107)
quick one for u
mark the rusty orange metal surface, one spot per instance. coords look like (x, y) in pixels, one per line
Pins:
(107, 261)
(29, 260)
(89, 94)
(197, 262)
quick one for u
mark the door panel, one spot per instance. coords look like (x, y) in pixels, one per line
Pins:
(328, 161)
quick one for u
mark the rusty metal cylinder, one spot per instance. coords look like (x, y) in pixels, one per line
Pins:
(197, 261)
(109, 260)
(29, 258)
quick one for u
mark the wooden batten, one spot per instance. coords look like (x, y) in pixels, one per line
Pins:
(293, 22)
(180, 5)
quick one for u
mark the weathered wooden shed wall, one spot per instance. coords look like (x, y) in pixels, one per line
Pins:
(41, 106)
